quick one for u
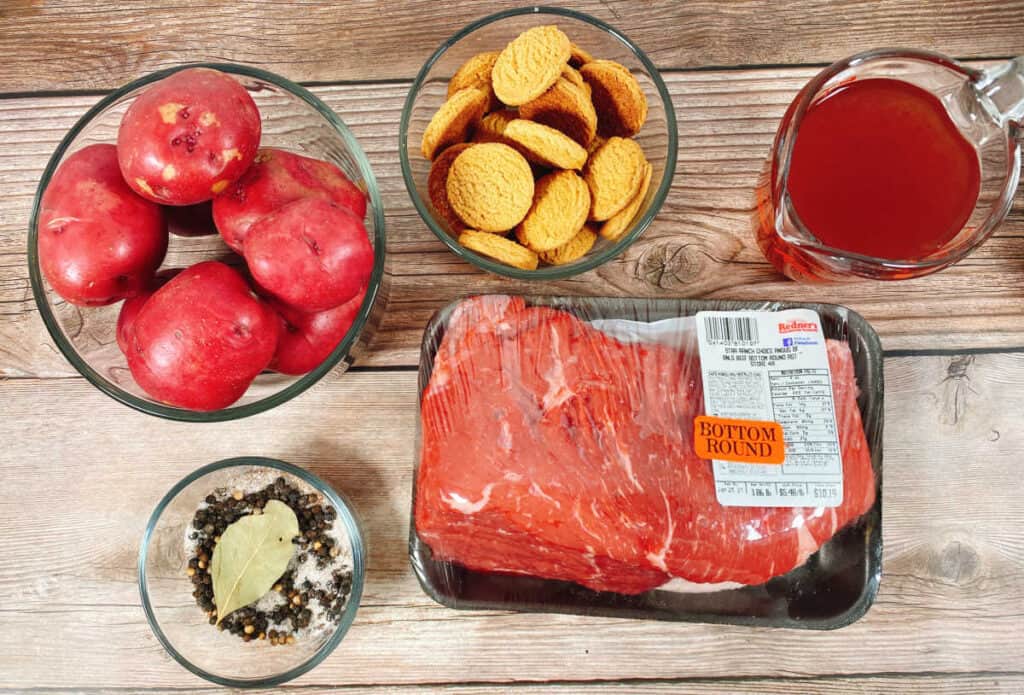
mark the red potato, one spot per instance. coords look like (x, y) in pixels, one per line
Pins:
(202, 338)
(310, 254)
(308, 339)
(133, 305)
(188, 136)
(190, 220)
(275, 179)
(99, 242)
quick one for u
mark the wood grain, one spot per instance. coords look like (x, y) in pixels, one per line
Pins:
(75, 44)
(86, 472)
(82, 473)
(915, 684)
(700, 245)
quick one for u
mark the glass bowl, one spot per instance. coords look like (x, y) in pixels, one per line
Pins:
(658, 136)
(293, 119)
(166, 591)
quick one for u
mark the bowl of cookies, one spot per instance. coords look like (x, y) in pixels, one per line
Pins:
(538, 143)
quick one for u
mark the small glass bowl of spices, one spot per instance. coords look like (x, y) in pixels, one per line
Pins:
(251, 571)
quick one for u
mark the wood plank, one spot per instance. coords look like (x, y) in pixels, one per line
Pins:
(700, 245)
(927, 684)
(76, 499)
(306, 41)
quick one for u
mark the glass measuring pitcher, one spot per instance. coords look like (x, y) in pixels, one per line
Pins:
(985, 106)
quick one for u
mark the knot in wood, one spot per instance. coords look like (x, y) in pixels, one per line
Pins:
(957, 563)
(669, 265)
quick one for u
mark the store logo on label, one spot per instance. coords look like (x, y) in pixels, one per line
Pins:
(796, 326)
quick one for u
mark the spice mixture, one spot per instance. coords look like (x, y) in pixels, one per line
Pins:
(309, 597)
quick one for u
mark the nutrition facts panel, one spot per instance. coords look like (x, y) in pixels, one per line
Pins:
(773, 366)
(802, 404)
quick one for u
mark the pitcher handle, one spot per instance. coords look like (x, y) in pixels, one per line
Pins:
(1001, 91)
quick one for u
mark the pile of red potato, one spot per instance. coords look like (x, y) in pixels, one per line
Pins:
(188, 161)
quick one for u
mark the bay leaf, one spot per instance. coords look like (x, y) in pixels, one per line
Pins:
(251, 555)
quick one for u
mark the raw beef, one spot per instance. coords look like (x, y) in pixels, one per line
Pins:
(551, 449)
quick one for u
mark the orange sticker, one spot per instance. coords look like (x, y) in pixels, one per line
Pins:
(743, 441)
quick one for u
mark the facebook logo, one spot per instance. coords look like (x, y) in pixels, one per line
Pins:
(787, 342)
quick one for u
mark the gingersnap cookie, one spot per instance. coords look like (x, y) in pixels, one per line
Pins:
(573, 75)
(545, 145)
(566, 108)
(573, 250)
(530, 64)
(578, 56)
(614, 173)
(491, 127)
(437, 181)
(561, 202)
(620, 102)
(453, 120)
(476, 72)
(490, 187)
(500, 249)
(618, 223)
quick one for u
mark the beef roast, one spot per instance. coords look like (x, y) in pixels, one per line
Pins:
(551, 449)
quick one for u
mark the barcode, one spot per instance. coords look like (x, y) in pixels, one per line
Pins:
(730, 329)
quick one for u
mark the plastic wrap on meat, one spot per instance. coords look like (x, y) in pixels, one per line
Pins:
(553, 450)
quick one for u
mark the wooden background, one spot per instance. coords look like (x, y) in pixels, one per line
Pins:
(80, 473)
